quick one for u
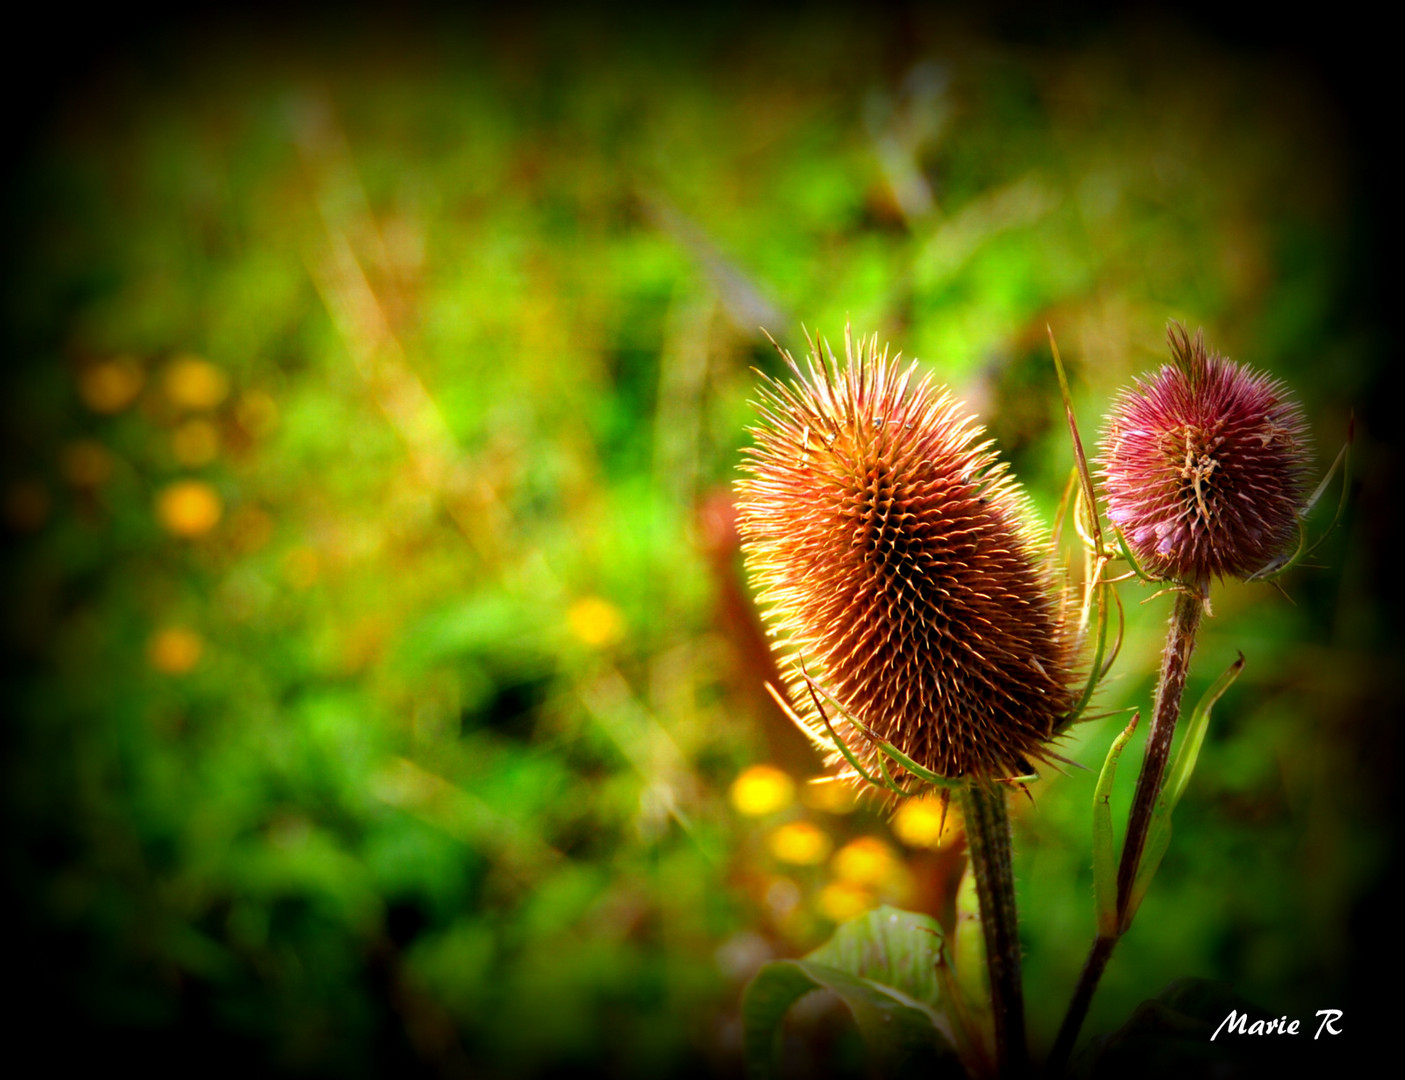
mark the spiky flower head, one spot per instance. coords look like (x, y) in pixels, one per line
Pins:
(894, 561)
(1204, 466)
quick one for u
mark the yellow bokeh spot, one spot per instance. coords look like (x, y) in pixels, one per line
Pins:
(27, 505)
(831, 796)
(195, 443)
(174, 650)
(595, 621)
(867, 861)
(188, 508)
(86, 463)
(918, 823)
(762, 789)
(191, 382)
(111, 385)
(844, 900)
(800, 843)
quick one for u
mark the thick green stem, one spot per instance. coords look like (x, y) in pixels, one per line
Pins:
(988, 839)
(1175, 664)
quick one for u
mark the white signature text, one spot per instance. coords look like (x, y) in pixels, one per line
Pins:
(1238, 1024)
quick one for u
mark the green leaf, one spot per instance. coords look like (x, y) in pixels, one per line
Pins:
(1104, 849)
(896, 948)
(1158, 837)
(882, 966)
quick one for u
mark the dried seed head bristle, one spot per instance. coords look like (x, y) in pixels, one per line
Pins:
(1205, 465)
(894, 559)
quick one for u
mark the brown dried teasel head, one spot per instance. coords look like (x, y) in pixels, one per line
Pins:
(895, 562)
(1204, 466)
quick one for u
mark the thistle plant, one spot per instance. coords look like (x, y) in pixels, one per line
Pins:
(924, 647)
(925, 644)
(895, 560)
(1204, 467)
(1203, 471)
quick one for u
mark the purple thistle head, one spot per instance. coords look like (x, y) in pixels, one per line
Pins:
(1204, 466)
(894, 557)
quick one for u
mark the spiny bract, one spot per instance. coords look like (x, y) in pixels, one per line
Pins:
(1204, 466)
(893, 560)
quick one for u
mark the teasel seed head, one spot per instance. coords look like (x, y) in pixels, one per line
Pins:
(1204, 466)
(896, 565)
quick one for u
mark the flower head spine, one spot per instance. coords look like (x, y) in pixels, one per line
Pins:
(1204, 466)
(895, 561)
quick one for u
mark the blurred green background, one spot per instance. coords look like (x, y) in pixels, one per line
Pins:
(388, 694)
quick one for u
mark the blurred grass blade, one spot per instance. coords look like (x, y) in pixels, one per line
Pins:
(743, 300)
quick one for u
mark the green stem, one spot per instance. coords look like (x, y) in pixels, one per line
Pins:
(1175, 665)
(1098, 957)
(988, 839)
